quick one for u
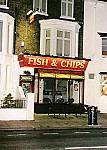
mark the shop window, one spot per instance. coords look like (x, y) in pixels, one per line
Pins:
(1, 25)
(63, 43)
(47, 42)
(40, 6)
(60, 91)
(104, 46)
(67, 8)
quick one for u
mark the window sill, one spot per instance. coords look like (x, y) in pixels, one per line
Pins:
(4, 7)
(65, 17)
(39, 13)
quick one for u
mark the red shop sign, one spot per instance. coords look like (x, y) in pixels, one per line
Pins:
(52, 63)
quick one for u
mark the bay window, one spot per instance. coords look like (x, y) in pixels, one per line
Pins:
(67, 8)
(59, 38)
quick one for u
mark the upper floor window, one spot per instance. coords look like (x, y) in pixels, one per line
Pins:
(3, 3)
(104, 46)
(1, 26)
(67, 8)
(40, 5)
(47, 41)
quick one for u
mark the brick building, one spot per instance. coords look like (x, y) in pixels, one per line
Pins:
(56, 33)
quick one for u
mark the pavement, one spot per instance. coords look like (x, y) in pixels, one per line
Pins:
(40, 125)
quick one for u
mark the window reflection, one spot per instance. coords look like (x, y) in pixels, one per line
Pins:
(60, 91)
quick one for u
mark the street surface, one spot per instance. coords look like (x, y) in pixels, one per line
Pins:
(70, 139)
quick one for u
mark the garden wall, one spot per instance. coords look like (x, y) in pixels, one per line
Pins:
(19, 113)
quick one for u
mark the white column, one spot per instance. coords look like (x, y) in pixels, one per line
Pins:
(30, 106)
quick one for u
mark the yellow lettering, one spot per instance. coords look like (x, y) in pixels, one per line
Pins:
(77, 64)
(34, 61)
(44, 62)
(82, 64)
(62, 63)
(73, 66)
(69, 63)
(39, 61)
(30, 60)
(54, 63)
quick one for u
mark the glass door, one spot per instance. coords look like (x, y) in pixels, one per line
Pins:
(46, 91)
(61, 94)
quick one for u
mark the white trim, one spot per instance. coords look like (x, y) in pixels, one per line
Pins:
(4, 6)
(64, 39)
(54, 25)
(65, 17)
(47, 38)
(91, 147)
(39, 13)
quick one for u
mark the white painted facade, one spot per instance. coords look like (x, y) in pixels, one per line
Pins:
(6, 54)
(95, 21)
(9, 65)
(26, 113)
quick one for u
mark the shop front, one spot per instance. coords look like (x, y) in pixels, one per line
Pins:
(57, 80)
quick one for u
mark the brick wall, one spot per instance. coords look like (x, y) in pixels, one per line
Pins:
(30, 33)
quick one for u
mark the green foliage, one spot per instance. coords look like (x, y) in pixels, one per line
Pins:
(27, 72)
(8, 101)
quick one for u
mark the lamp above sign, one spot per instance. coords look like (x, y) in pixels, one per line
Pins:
(52, 63)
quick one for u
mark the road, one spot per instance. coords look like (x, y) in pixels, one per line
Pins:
(54, 139)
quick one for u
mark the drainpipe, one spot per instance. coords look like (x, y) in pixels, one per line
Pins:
(94, 28)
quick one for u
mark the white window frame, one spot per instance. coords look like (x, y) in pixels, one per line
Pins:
(63, 40)
(47, 38)
(4, 6)
(9, 39)
(1, 35)
(54, 25)
(39, 11)
(67, 2)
